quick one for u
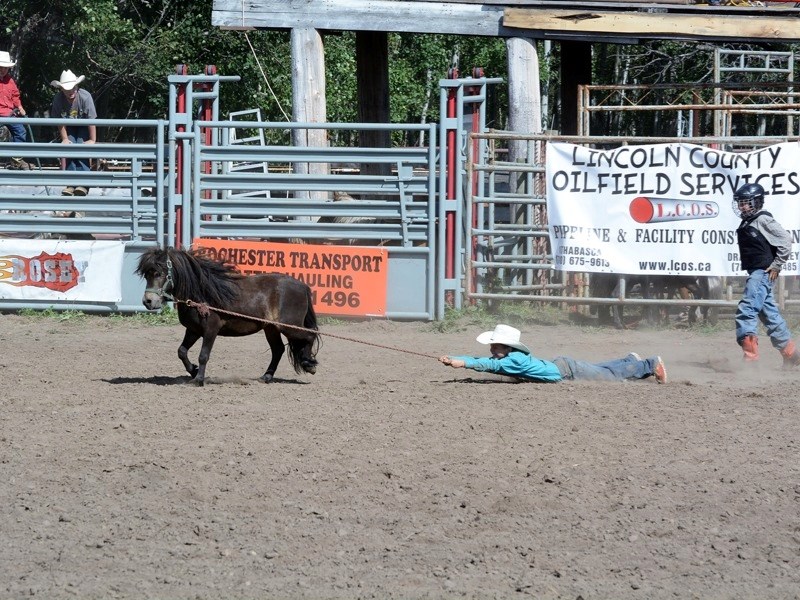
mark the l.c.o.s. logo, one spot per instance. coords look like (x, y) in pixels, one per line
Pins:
(57, 272)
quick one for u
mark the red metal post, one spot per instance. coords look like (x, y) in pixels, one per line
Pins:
(450, 217)
(207, 114)
(180, 108)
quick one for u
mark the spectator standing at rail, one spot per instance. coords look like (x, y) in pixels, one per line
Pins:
(764, 247)
(73, 102)
(513, 358)
(11, 105)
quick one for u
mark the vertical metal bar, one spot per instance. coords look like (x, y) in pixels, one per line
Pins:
(432, 296)
(403, 171)
(193, 229)
(159, 183)
(186, 196)
(717, 90)
(470, 221)
(444, 141)
(460, 153)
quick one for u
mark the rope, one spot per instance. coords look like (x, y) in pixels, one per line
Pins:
(264, 75)
(204, 309)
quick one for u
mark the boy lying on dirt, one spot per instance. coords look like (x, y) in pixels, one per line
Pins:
(513, 358)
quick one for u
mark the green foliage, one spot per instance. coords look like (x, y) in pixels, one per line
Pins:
(325, 321)
(460, 320)
(657, 65)
(51, 313)
(517, 314)
(127, 49)
(165, 316)
(340, 78)
(703, 328)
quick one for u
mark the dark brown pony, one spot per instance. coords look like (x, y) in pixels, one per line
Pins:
(200, 286)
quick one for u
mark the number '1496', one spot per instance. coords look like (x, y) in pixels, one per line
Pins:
(339, 299)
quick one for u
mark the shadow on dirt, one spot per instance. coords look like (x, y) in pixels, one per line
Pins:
(184, 380)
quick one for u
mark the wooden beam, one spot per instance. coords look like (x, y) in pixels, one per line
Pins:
(587, 20)
(656, 25)
(554, 3)
(362, 15)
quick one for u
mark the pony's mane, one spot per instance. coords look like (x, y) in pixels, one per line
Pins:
(201, 279)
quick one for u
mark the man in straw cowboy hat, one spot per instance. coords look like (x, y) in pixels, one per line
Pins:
(11, 105)
(73, 102)
(513, 358)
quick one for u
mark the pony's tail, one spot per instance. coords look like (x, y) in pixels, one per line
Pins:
(303, 349)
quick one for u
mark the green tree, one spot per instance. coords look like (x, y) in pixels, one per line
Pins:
(128, 48)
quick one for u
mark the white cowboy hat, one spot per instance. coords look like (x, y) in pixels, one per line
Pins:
(67, 80)
(5, 59)
(503, 334)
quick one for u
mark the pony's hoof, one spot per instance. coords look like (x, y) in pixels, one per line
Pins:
(266, 378)
(196, 382)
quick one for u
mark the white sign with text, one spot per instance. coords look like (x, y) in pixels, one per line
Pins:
(61, 270)
(662, 208)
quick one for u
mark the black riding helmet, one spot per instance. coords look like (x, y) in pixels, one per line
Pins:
(748, 199)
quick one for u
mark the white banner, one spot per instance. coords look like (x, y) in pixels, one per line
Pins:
(61, 270)
(663, 208)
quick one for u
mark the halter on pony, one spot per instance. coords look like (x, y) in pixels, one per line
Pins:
(168, 284)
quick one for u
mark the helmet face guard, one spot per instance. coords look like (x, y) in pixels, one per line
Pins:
(748, 200)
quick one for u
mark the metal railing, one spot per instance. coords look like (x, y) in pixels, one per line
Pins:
(126, 195)
(508, 255)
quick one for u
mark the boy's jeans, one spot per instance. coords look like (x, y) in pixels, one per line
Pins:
(758, 302)
(612, 370)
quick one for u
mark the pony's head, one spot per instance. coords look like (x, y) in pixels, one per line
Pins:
(183, 275)
(155, 267)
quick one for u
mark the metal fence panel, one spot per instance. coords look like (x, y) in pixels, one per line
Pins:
(395, 209)
(508, 254)
(126, 197)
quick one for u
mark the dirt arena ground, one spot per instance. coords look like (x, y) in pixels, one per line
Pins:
(388, 475)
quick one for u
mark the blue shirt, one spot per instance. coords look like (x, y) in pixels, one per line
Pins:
(515, 364)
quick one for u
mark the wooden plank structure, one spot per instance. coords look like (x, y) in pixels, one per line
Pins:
(585, 19)
(575, 24)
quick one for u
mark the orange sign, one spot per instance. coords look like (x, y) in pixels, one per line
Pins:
(344, 280)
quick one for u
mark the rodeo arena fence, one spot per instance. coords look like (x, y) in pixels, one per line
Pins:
(451, 214)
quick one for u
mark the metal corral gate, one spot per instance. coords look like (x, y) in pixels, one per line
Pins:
(137, 196)
(238, 179)
(280, 203)
(507, 255)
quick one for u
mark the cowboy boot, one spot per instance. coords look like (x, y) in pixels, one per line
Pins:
(791, 356)
(750, 346)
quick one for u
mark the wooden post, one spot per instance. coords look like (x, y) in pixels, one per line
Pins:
(576, 69)
(524, 95)
(372, 75)
(308, 99)
(524, 116)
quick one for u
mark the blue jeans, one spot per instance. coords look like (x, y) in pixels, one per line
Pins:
(17, 132)
(758, 303)
(612, 370)
(77, 136)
